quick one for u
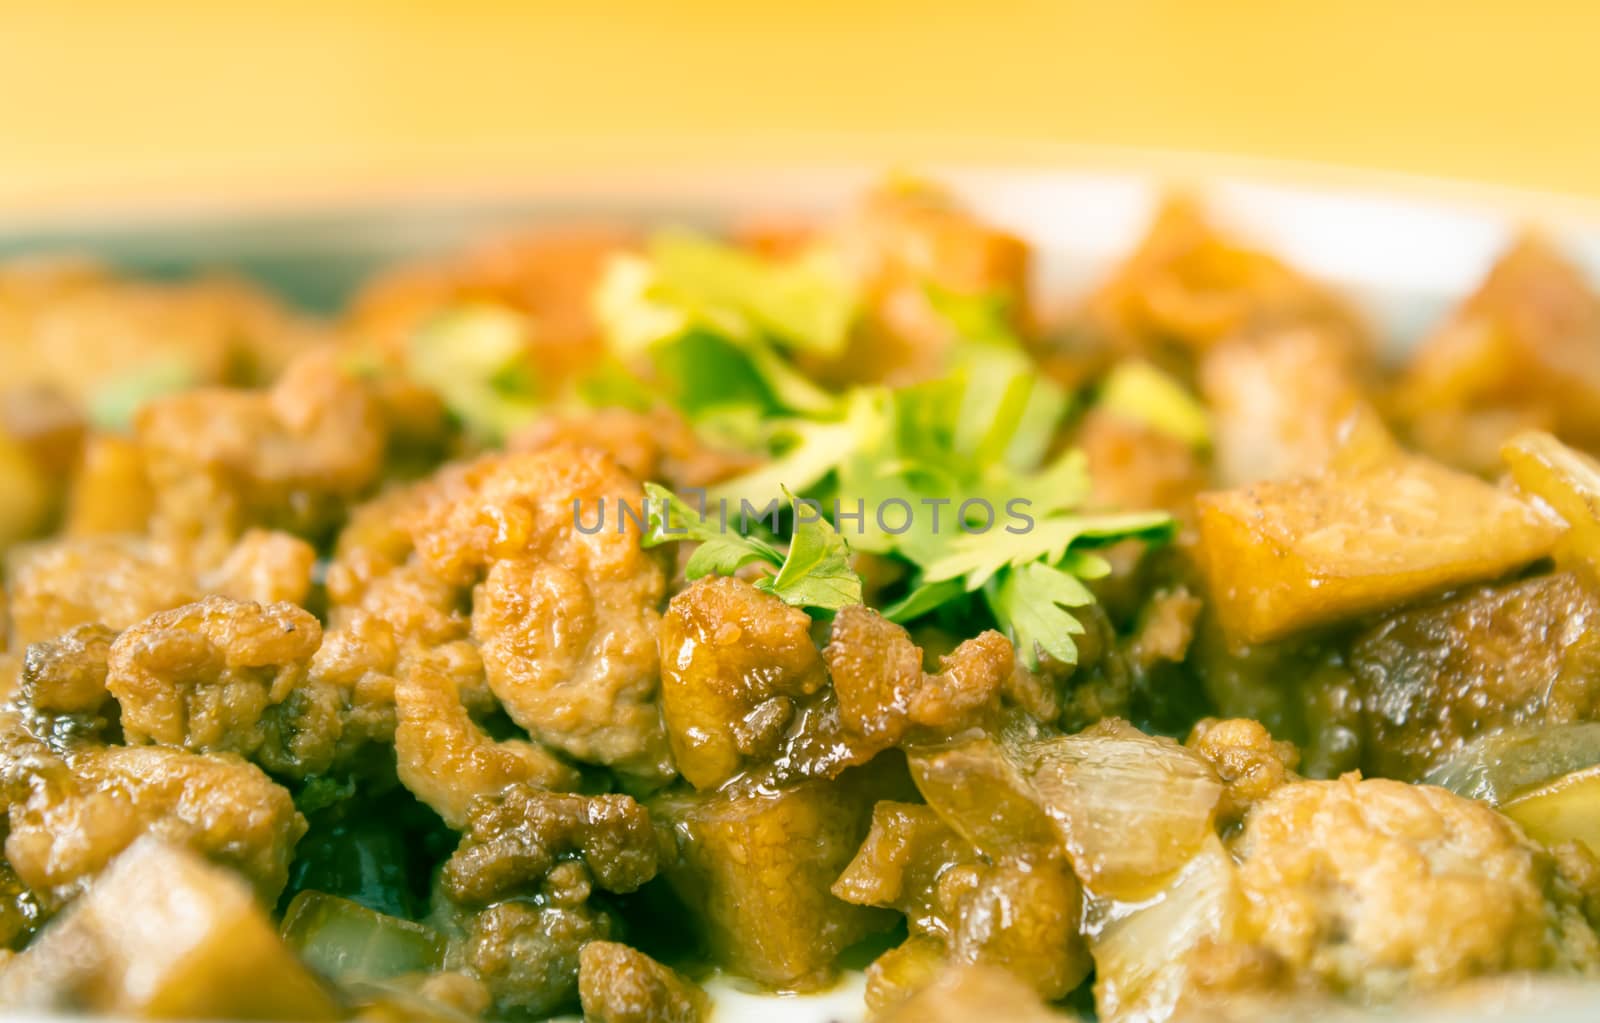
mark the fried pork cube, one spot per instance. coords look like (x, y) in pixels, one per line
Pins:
(1376, 889)
(734, 663)
(70, 816)
(1522, 352)
(163, 934)
(902, 242)
(110, 492)
(565, 618)
(224, 676)
(756, 865)
(222, 460)
(1433, 678)
(618, 984)
(1279, 402)
(548, 275)
(40, 435)
(1284, 556)
(1188, 287)
(1019, 914)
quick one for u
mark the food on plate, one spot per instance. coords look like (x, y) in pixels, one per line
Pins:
(610, 614)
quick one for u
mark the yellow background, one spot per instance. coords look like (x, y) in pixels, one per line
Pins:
(109, 102)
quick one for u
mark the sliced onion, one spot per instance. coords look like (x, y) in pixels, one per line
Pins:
(346, 941)
(1141, 950)
(1498, 766)
(1131, 808)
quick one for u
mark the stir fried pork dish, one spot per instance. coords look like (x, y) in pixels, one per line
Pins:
(607, 613)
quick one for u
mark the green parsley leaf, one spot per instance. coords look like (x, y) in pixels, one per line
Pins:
(1030, 603)
(805, 304)
(814, 572)
(978, 557)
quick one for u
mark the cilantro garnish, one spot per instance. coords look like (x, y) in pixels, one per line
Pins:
(717, 328)
(814, 572)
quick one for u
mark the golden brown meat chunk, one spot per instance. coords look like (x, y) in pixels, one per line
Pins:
(162, 934)
(446, 759)
(1250, 762)
(734, 661)
(526, 952)
(69, 816)
(884, 695)
(1020, 914)
(221, 460)
(109, 580)
(1375, 889)
(565, 619)
(61, 689)
(756, 865)
(1132, 465)
(658, 445)
(549, 275)
(517, 837)
(1279, 402)
(74, 327)
(1188, 286)
(266, 566)
(1283, 556)
(618, 984)
(1522, 352)
(1432, 678)
(110, 492)
(224, 676)
(906, 240)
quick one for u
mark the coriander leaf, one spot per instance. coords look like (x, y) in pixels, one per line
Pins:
(671, 519)
(1139, 392)
(805, 303)
(1030, 601)
(814, 449)
(923, 599)
(724, 555)
(816, 572)
(978, 557)
(476, 359)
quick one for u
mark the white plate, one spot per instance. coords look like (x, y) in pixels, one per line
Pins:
(1402, 254)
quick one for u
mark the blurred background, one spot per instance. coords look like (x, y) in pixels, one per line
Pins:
(105, 102)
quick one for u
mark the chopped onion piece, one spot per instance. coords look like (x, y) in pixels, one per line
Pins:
(1498, 766)
(1141, 951)
(346, 941)
(1131, 808)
